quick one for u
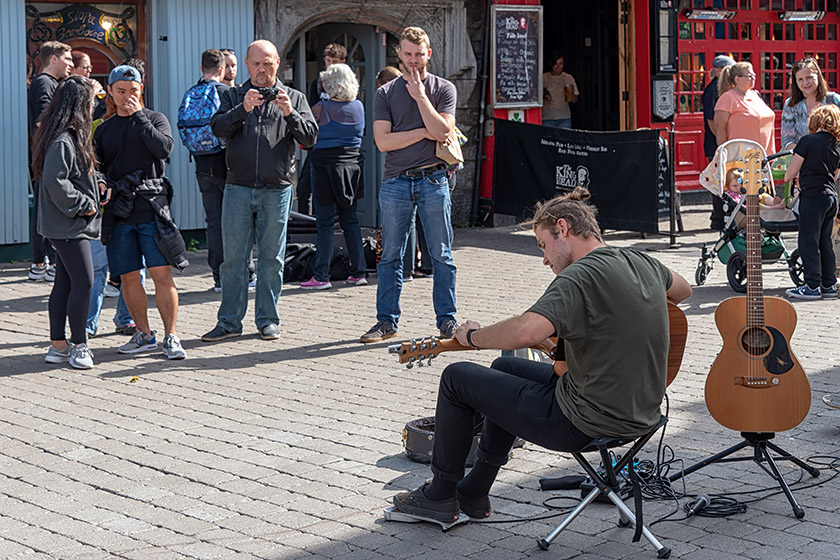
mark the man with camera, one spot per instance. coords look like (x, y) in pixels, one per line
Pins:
(262, 121)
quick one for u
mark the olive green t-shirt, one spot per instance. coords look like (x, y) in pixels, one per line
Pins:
(610, 308)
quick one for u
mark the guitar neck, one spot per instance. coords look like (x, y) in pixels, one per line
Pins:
(753, 183)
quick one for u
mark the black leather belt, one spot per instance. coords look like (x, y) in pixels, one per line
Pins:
(423, 171)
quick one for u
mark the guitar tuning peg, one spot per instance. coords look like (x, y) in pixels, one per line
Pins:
(420, 363)
(429, 363)
(409, 366)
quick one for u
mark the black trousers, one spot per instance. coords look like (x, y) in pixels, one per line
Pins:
(70, 296)
(816, 219)
(40, 246)
(516, 397)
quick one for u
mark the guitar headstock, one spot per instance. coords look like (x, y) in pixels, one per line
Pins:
(417, 350)
(753, 181)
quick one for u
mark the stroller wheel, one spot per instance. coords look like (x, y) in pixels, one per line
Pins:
(796, 269)
(736, 272)
(702, 272)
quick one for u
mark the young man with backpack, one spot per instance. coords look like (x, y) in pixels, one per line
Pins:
(199, 104)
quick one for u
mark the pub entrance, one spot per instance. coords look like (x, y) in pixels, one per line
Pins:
(586, 33)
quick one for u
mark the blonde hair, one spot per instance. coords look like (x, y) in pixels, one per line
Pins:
(415, 35)
(827, 118)
(728, 75)
(572, 207)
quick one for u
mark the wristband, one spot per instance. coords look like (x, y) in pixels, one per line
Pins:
(469, 337)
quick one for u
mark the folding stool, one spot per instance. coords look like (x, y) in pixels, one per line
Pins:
(607, 484)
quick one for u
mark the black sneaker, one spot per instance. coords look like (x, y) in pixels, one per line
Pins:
(378, 332)
(448, 328)
(219, 333)
(475, 508)
(416, 503)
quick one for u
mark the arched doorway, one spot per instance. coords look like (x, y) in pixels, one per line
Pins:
(369, 48)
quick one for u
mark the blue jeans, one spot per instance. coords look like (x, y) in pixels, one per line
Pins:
(397, 200)
(816, 218)
(325, 216)
(558, 123)
(248, 214)
(100, 274)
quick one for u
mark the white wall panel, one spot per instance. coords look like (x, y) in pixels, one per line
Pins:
(191, 27)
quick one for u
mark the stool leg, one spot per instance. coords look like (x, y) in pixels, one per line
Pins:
(546, 542)
(626, 513)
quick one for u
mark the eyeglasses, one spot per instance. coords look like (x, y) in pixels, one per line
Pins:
(87, 68)
(750, 76)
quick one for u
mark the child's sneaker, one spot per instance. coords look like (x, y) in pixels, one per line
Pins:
(804, 292)
(140, 342)
(360, 281)
(831, 291)
(313, 284)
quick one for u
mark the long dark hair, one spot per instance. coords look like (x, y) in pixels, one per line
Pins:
(69, 110)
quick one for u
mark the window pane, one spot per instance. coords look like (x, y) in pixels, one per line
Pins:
(832, 80)
(832, 32)
(763, 4)
(832, 61)
(765, 62)
(778, 80)
(778, 101)
(808, 4)
(790, 4)
(699, 30)
(790, 32)
(820, 32)
(746, 29)
(685, 30)
(808, 31)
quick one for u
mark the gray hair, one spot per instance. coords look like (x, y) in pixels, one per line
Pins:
(340, 82)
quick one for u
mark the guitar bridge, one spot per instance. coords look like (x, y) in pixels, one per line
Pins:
(757, 382)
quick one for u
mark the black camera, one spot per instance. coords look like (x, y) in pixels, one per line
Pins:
(268, 93)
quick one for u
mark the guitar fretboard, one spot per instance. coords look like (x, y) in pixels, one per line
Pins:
(755, 287)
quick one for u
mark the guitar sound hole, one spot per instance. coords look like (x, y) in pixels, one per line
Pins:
(755, 341)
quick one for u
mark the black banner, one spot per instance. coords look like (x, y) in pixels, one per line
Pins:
(534, 163)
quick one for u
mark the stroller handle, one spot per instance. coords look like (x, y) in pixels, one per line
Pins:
(778, 155)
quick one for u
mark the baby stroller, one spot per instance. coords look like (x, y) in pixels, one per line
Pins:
(731, 248)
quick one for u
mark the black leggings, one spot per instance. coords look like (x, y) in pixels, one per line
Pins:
(70, 297)
(516, 397)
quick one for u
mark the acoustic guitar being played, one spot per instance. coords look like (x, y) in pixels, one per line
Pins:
(756, 384)
(420, 350)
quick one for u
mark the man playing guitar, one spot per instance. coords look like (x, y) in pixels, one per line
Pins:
(609, 305)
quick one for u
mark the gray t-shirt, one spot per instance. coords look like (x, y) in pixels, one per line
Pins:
(610, 308)
(394, 104)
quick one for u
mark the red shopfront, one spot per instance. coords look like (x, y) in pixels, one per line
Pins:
(754, 32)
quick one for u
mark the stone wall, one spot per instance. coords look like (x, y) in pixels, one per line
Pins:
(455, 29)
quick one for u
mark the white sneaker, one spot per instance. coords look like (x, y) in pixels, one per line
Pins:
(81, 357)
(111, 290)
(172, 348)
(58, 356)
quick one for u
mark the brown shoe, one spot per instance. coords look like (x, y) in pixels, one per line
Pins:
(378, 332)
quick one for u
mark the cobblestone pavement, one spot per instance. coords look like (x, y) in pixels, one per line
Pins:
(253, 449)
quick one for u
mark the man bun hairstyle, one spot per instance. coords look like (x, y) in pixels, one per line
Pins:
(53, 48)
(572, 207)
(212, 60)
(415, 35)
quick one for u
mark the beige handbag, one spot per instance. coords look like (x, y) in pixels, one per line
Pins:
(450, 153)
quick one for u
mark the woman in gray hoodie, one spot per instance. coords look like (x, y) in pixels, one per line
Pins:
(68, 215)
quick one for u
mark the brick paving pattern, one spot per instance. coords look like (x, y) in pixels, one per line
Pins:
(253, 449)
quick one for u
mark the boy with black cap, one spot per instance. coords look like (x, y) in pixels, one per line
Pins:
(131, 147)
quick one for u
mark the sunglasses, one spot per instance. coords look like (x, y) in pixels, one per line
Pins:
(228, 51)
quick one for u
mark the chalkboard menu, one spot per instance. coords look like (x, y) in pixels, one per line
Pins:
(516, 56)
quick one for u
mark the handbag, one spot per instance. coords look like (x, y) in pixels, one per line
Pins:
(450, 153)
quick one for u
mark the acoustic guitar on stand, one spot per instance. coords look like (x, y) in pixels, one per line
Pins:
(426, 349)
(756, 384)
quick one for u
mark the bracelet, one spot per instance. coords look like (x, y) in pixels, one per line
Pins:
(469, 337)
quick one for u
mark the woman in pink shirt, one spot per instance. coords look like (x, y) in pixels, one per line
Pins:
(740, 112)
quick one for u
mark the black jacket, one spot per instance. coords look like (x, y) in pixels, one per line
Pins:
(157, 193)
(261, 144)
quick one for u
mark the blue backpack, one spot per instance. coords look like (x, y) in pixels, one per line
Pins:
(199, 104)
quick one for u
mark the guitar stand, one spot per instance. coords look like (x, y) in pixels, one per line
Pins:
(761, 444)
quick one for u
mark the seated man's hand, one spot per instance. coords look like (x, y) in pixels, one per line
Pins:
(461, 332)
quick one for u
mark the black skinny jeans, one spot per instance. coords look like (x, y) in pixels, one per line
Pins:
(70, 296)
(516, 397)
